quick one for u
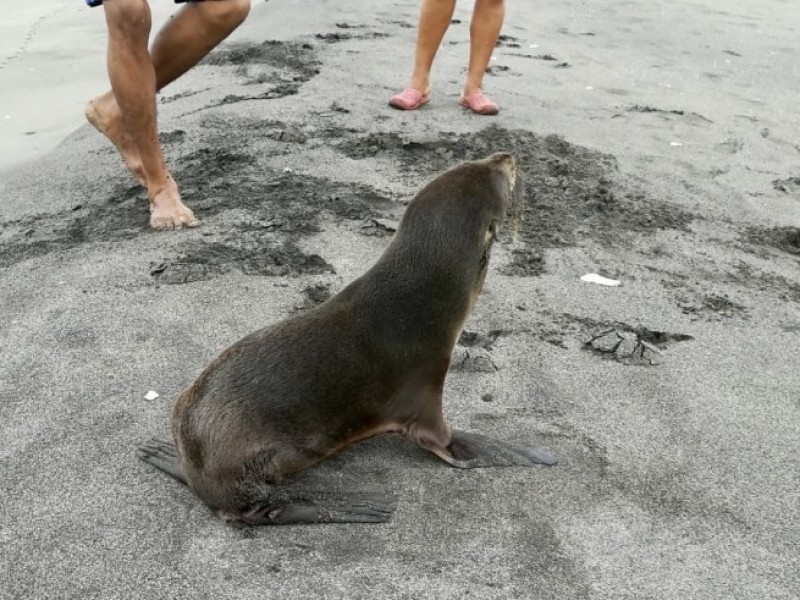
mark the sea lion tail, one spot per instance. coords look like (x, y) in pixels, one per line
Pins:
(162, 455)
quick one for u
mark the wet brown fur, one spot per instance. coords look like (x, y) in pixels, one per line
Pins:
(370, 360)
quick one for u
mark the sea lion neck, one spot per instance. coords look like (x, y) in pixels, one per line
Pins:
(412, 296)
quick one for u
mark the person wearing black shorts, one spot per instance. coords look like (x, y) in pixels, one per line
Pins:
(126, 114)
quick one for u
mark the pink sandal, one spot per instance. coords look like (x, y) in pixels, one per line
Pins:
(479, 103)
(409, 99)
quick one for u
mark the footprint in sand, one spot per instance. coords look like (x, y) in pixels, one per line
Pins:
(635, 347)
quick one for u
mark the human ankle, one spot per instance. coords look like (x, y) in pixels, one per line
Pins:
(422, 84)
(470, 89)
(158, 186)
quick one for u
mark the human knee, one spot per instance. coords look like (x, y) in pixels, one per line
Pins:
(228, 14)
(490, 4)
(128, 17)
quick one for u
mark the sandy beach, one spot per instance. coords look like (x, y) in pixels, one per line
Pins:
(52, 60)
(660, 145)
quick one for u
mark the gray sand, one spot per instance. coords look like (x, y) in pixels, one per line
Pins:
(659, 148)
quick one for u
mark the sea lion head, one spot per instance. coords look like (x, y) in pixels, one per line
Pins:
(512, 188)
(452, 223)
(503, 204)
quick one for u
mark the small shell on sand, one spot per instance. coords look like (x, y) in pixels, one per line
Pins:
(599, 280)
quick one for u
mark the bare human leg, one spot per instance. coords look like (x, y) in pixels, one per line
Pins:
(434, 19)
(196, 29)
(192, 33)
(485, 26)
(103, 111)
(133, 81)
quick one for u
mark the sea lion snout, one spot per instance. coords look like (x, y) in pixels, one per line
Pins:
(514, 197)
(507, 163)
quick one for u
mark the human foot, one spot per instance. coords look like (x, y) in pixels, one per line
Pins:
(410, 99)
(167, 210)
(479, 103)
(104, 114)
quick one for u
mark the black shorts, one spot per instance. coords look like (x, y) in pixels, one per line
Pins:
(99, 2)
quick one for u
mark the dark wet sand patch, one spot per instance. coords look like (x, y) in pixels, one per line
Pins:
(213, 179)
(282, 65)
(295, 56)
(711, 307)
(281, 90)
(478, 339)
(399, 23)
(785, 239)
(752, 278)
(250, 254)
(473, 352)
(338, 108)
(333, 37)
(337, 36)
(507, 41)
(181, 96)
(560, 64)
(525, 262)
(123, 216)
(644, 108)
(790, 185)
(379, 227)
(245, 132)
(278, 206)
(573, 193)
(497, 70)
(473, 360)
(544, 57)
(171, 137)
(314, 295)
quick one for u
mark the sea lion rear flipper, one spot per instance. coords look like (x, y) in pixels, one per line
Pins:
(318, 508)
(162, 455)
(472, 450)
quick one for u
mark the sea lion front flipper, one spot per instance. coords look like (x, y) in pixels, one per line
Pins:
(162, 455)
(317, 508)
(472, 450)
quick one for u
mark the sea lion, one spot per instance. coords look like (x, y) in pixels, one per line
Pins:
(370, 360)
